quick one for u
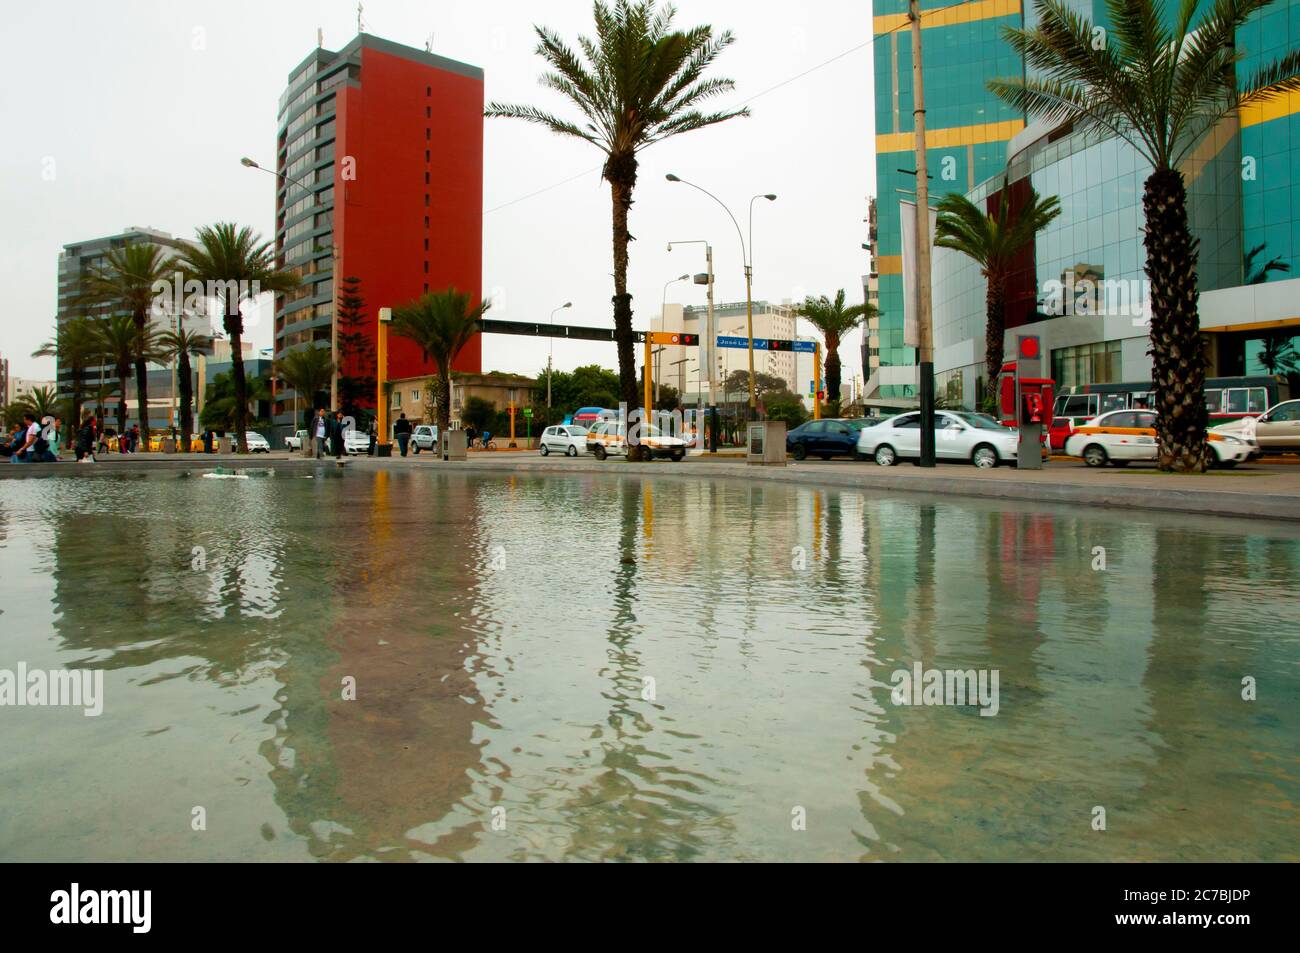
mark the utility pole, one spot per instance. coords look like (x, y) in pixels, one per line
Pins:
(925, 353)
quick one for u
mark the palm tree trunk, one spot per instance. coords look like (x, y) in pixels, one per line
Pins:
(832, 368)
(187, 415)
(444, 401)
(234, 335)
(76, 404)
(123, 372)
(1177, 353)
(621, 173)
(995, 326)
(141, 381)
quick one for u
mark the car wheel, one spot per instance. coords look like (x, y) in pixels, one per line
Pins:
(984, 457)
(572, 451)
(546, 451)
(885, 455)
(800, 452)
(678, 456)
(1094, 455)
(600, 452)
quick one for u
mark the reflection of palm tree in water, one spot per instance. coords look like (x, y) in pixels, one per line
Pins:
(627, 812)
(381, 776)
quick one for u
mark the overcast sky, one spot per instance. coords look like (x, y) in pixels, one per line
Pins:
(132, 112)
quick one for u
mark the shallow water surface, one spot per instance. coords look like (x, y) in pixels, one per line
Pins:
(598, 667)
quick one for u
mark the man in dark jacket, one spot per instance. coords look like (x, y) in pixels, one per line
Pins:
(336, 434)
(402, 430)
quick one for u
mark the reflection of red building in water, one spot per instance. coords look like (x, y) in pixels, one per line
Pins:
(380, 152)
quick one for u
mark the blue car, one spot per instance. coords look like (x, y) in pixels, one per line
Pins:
(826, 438)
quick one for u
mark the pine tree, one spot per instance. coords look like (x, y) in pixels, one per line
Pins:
(356, 351)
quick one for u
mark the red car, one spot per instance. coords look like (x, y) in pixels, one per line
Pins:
(1059, 432)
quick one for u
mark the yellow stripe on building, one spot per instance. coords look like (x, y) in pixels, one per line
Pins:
(1283, 104)
(957, 13)
(889, 265)
(951, 137)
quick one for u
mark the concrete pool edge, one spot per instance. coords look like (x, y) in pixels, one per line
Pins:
(1113, 494)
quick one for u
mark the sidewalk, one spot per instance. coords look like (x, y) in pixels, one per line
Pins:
(1269, 492)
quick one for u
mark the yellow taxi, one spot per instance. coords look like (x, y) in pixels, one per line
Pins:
(609, 438)
(1122, 436)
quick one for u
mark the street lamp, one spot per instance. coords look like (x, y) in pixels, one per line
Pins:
(746, 254)
(663, 307)
(550, 353)
(248, 163)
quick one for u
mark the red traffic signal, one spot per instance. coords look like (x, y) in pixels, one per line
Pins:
(688, 340)
(1029, 346)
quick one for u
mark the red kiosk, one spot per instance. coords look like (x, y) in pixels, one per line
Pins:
(1025, 400)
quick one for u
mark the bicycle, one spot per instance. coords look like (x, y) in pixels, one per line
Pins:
(489, 445)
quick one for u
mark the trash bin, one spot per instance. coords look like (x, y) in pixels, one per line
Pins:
(223, 445)
(765, 446)
(453, 445)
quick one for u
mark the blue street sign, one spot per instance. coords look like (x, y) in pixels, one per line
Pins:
(768, 344)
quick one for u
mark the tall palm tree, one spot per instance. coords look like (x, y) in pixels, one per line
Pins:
(834, 319)
(179, 345)
(41, 402)
(126, 282)
(76, 346)
(237, 264)
(1160, 90)
(307, 371)
(120, 343)
(641, 82)
(441, 323)
(993, 241)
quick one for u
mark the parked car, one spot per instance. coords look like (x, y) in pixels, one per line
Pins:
(568, 439)
(823, 438)
(1059, 432)
(425, 437)
(1277, 430)
(959, 435)
(1121, 436)
(255, 442)
(609, 438)
(296, 441)
(356, 442)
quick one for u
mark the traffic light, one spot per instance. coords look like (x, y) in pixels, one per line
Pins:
(688, 340)
(779, 344)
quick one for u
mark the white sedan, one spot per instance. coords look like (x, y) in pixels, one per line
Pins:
(1121, 436)
(255, 442)
(958, 436)
(356, 442)
(568, 439)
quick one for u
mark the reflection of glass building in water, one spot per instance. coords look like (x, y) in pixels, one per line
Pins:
(1083, 283)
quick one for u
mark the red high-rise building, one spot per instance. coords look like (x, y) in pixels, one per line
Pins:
(380, 163)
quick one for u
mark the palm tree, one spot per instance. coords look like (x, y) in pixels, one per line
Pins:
(441, 323)
(120, 343)
(1277, 354)
(1160, 91)
(40, 402)
(993, 242)
(221, 410)
(76, 346)
(307, 371)
(834, 320)
(179, 345)
(641, 82)
(241, 266)
(1257, 276)
(126, 282)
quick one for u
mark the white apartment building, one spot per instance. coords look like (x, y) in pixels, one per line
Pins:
(680, 367)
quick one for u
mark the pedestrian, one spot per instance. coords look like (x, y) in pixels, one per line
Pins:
(337, 435)
(403, 430)
(470, 434)
(135, 438)
(86, 438)
(32, 445)
(320, 430)
(51, 438)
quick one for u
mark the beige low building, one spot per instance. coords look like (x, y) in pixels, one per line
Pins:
(414, 396)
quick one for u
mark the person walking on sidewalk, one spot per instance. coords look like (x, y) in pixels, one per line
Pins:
(403, 431)
(320, 430)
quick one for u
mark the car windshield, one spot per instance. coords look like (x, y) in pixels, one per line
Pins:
(576, 431)
(979, 421)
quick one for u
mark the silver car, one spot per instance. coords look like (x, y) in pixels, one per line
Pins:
(957, 436)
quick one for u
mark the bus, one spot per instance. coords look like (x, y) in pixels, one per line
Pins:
(1226, 398)
(589, 416)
